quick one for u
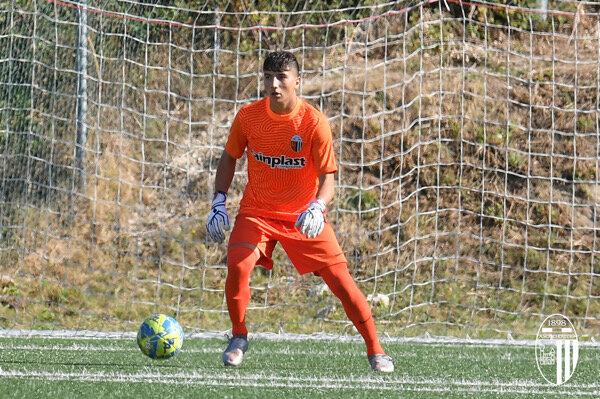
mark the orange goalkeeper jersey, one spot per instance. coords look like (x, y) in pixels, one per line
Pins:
(286, 155)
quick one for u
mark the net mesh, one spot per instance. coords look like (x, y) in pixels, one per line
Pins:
(466, 136)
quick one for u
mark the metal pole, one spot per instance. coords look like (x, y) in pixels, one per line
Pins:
(80, 155)
(544, 8)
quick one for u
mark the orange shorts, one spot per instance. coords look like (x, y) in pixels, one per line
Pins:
(308, 255)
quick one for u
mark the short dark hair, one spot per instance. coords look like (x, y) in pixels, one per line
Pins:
(278, 61)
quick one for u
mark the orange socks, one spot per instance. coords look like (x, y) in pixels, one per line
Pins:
(341, 283)
(240, 263)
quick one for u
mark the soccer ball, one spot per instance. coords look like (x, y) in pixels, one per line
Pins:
(160, 337)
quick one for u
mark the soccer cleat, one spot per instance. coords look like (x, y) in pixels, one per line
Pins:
(381, 363)
(234, 354)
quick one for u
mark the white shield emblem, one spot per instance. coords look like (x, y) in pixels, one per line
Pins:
(556, 349)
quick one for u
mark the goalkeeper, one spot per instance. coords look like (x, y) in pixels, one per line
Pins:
(291, 168)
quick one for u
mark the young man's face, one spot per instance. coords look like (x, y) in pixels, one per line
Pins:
(281, 88)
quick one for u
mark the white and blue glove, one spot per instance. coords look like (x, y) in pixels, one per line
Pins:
(312, 220)
(218, 219)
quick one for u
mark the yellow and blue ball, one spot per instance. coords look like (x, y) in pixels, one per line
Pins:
(160, 337)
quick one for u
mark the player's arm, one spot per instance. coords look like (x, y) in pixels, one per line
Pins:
(312, 221)
(218, 218)
(225, 172)
(234, 148)
(326, 187)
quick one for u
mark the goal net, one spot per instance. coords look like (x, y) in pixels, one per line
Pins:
(466, 135)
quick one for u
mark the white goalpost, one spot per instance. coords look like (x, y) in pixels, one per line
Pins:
(466, 135)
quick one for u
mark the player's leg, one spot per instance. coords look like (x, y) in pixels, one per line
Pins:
(343, 286)
(341, 283)
(249, 245)
(324, 257)
(241, 260)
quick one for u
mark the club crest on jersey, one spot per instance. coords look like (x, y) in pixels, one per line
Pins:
(296, 143)
(281, 161)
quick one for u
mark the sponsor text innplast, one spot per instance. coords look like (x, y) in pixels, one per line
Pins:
(280, 161)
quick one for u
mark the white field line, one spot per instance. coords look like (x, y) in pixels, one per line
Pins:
(292, 351)
(426, 339)
(276, 381)
(133, 348)
(94, 348)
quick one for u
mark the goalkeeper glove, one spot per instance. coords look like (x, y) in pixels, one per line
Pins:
(218, 216)
(312, 220)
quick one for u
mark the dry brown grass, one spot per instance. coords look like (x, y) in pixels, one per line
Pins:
(449, 157)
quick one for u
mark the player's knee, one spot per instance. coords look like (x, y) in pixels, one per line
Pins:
(336, 274)
(338, 279)
(241, 260)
